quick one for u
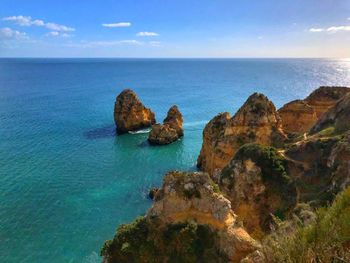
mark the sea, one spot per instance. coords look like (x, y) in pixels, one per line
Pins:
(67, 181)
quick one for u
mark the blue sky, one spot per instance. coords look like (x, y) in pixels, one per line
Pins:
(175, 28)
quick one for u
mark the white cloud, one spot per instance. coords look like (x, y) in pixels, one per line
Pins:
(28, 21)
(120, 24)
(8, 33)
(147, 34)
(316, 30)
(332, 29)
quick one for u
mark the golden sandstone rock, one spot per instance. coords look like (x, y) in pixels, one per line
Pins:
(170, 130)
(130, 114)
(256, 121)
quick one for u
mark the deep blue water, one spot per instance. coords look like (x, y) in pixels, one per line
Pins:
(66, 180)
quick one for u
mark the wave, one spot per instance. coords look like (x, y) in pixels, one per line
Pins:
(140, 131)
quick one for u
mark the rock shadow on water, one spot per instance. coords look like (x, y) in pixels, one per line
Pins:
(101, 133)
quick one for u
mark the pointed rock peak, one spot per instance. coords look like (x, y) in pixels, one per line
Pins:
(258, 109)
(173, 113)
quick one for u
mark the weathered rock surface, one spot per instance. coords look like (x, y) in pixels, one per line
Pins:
(171, 129)
(324, 98)
(300, 116)
(336, 118)
(257, 184)
(256, 121)
(190, 221)
(297, 116)
(130, 114)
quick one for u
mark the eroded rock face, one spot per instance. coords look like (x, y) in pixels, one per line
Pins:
(190, 221)
(256, 121)
(130, 114)
(337, 117)
(171, 129)
(257, 184)
(297, 116)
(324, 98)
(300, 116)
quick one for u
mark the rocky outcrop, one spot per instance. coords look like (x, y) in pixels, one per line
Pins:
(190, 221)
(258, 185)
(171, 129)
(336, 118)
(130, 114)
(256, 121)
(299, 116)
(324, 98)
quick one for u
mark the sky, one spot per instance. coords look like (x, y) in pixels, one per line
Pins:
(175, 28)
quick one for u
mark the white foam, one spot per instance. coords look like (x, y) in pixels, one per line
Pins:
(140, 131)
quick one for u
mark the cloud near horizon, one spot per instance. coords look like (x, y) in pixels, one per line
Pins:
(147, 34)
(119, 24)
(332, 29)
(9, 34)
(28, 21)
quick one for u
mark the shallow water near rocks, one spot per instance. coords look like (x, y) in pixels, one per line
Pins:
(67, 181)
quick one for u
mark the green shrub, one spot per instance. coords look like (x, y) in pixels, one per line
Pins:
(327, 239)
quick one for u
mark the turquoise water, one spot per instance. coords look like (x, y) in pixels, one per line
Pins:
(66, 180)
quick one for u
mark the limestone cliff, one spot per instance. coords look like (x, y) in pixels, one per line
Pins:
(300, 115)
(190, 221)
(130, 114)
(171, 129)
(297, 116)
(258, 185)
(256, 121)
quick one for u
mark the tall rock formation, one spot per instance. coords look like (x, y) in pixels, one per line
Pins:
(256, 121)
(130, 114)
(190, 221)
(258, 185)
(300, 115)
(171, 129)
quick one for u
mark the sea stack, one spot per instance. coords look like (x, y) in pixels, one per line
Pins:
(170, 130)
(256, 121)
(130, 114)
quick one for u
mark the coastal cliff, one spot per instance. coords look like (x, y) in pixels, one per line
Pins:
(255, 122)
(300, 115)
(130, 114)
(190, 221)
(265, 197)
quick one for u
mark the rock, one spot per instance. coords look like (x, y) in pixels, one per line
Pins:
(324, 98)
(190, 221)
(152, 193)
(258, 185)
(171, 129)
(256, 121)
(297, 116)
(320, 166)
(336, 118)
(130, 114)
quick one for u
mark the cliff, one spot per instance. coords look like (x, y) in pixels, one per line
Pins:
(256, 121)
(299, 116)
(190, 221)
(130, 114)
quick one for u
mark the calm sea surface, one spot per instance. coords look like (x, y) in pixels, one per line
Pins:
(66, 180)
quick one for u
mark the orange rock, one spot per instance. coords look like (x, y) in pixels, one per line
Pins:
(256, 121)
(130, 114)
